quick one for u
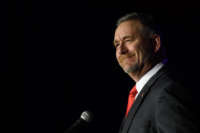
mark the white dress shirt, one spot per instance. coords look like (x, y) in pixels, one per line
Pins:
(146, 77)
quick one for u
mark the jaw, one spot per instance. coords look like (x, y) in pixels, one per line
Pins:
(130, 67)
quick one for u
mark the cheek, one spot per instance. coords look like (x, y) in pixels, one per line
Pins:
(117, 57)
(144, 54)
(140, 55)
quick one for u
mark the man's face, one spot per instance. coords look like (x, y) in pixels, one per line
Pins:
(132, 49)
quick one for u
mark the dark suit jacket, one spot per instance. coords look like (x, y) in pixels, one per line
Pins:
(163, 106)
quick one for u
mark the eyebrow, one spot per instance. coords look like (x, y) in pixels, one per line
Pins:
(125, 37)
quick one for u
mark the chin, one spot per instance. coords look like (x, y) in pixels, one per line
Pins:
(133, 68)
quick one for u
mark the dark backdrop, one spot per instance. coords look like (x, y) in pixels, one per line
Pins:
(68, 65)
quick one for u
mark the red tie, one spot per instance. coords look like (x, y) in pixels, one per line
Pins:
(131, 98)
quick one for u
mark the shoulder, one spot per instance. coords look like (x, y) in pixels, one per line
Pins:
(175, 110)
(169, 90)
(176, 99)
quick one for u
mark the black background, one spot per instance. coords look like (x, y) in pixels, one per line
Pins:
(63, 57)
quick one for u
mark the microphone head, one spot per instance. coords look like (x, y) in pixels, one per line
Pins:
(87, 116)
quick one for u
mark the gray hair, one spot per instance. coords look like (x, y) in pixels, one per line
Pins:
(149, 28)
(147, 20)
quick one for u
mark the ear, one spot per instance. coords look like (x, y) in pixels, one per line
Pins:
(156, 42)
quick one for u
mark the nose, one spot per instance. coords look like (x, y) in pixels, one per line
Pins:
(123, 49)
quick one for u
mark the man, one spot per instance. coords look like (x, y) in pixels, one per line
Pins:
(158, 104)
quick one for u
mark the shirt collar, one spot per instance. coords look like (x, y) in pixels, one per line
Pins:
(146, 77)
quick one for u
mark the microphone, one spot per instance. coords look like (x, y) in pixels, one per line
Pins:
(85, 118)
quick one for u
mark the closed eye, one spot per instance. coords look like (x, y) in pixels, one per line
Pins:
(116, 43)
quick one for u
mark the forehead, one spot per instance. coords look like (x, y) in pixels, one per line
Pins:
(127, 28)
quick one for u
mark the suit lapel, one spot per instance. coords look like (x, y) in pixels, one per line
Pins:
(127, 121)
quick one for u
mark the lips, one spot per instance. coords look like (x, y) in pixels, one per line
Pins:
(122, 57)
(125, 57)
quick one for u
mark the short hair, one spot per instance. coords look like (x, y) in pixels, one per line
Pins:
(150, 27)
(147, 20)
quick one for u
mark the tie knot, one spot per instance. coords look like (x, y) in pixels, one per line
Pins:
(133, 91)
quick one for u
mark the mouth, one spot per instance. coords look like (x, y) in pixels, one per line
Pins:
(127, 57)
